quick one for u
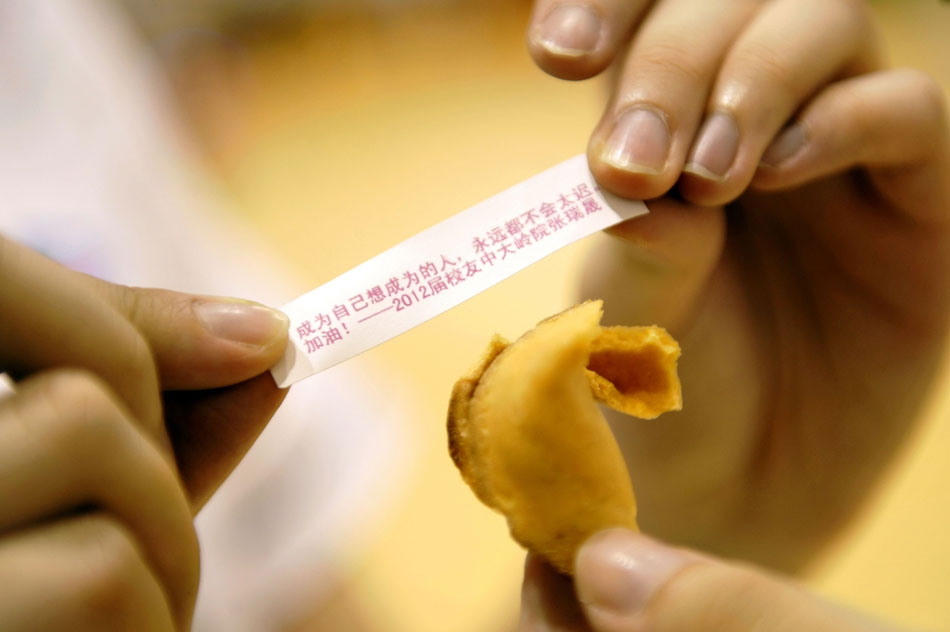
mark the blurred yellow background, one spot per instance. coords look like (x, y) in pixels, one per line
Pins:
(342, 133)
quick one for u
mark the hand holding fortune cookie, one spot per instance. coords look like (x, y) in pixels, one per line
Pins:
(528, 437)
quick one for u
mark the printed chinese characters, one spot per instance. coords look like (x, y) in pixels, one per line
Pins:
(441, 273)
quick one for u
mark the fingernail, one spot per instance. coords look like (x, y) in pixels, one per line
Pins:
(570, 30)
(715, 149)
(618, 571)
(784, 146)
(639, 142)
(244, 322)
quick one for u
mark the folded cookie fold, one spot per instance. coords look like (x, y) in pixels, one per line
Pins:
(528, 437)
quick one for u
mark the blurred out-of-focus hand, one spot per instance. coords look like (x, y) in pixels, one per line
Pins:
(798, 246)
(130, 407)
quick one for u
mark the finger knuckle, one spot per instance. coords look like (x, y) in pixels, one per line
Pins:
(140, 363)
(114, 569)
(764, 64)
(70, 387)
(927, 94)
(672, 60)
(125, 298)
(860, 115)
(132, 303)
(84, 409)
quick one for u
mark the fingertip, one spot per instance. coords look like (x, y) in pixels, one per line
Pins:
(547, 599)
(257, 326)
(234, 341)
(618, 571)
(566, 68)
(703, 189)
(629, 153)
(567, 41)
(534, 572)
(720, 165)
(628, 182)
(785, 159)
(203, 342)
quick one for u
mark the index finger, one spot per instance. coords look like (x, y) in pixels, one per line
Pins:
(52, 319)
(201, 342)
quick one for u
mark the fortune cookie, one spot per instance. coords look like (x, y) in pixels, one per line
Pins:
(528, 436)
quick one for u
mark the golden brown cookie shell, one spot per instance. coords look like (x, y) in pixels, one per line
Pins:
(528, 437)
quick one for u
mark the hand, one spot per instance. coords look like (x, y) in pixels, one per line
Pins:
(627, 582)
(97, 485)
(813, 309)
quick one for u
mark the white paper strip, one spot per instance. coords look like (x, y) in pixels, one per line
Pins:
(445, 265)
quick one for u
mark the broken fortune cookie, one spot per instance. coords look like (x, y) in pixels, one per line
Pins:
(528, 437)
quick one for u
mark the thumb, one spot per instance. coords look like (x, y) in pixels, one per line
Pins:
(651, 269)
(627, 582)
(201, 342)
(211, 355)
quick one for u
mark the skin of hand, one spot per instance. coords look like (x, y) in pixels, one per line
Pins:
(798, 247)
(627, 582)
(131, 406)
